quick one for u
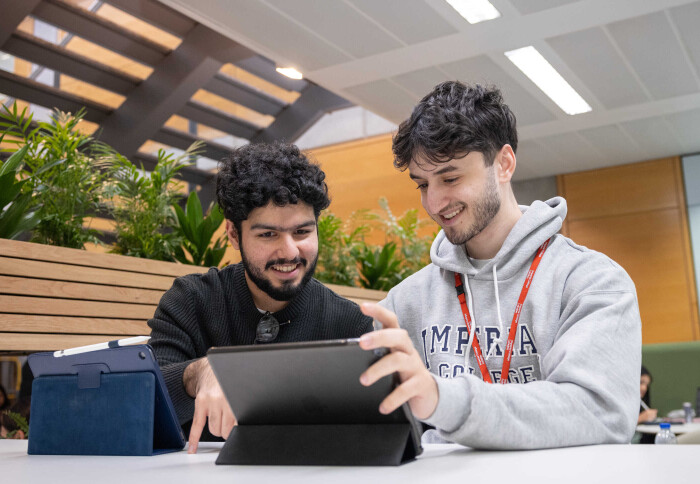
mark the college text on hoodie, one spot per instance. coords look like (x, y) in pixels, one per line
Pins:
(573, 378)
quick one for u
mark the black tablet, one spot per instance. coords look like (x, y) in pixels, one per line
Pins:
(306, 384)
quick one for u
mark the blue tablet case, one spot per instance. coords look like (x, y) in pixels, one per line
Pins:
(107, 402)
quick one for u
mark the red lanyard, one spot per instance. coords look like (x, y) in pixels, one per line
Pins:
(513, 325)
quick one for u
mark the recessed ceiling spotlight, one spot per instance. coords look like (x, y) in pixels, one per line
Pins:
(290, 72)
(475, 11)
(535, 66)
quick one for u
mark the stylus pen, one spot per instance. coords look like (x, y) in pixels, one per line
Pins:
(646, 407)
(102, 346)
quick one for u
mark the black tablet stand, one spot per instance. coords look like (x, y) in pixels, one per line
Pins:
(386, 444)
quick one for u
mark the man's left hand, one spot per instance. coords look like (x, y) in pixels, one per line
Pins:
(418, 386)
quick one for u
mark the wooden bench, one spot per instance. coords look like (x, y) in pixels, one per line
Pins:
(54, 297)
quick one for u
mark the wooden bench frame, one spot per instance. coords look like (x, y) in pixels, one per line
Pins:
(54, 297)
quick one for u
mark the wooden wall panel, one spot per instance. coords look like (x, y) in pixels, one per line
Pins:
(359, 173)
(638, 187)
(649, 246)
(636, 214)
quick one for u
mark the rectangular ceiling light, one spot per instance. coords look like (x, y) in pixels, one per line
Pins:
(290, 72)
(475, 11)
(541, 72)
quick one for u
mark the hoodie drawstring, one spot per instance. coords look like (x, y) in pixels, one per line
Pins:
(498, 340)
(473, 318)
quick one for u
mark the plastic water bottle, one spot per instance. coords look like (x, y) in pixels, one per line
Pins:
(665, 436)
(688, 412)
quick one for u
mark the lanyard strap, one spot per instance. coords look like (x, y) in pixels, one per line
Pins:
(459, 287)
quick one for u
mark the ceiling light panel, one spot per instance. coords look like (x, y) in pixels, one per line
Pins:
(475, 11)
(535, 66)
(290, 72)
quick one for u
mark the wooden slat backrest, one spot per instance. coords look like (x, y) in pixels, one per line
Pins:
(357, 294)
(66, 272)
(31, 342)
(30, 323)
(39, 252)
(54, 297)
(74, 290)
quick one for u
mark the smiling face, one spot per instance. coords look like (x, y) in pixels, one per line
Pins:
(461, 195)
(279, 248)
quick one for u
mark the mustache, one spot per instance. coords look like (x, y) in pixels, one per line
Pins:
(280, 262)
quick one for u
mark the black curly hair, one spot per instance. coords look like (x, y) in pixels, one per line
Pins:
(452, 121)
(255, 174)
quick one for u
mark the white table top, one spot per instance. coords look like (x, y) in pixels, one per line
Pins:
(440, 463)
(677, 429)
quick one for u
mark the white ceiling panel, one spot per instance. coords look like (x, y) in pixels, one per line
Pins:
(576, 153)
(274, 32)
(687, 21)
(412, 21)
(615, 145)
(685, 128)
(421, 82)
(386, 98)
(653, 50)
(534, 161)
(526, 7)
(339, 23)
(592, 57)
(483, 70)
(654, 136)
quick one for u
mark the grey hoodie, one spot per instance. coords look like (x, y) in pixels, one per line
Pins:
(574, 375)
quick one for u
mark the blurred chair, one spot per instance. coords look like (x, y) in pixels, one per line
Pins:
(675, 371)
(689, 438)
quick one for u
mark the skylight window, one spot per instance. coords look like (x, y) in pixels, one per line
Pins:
(535, 66)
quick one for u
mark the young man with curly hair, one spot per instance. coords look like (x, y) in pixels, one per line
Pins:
(507, 299)
(271, 196)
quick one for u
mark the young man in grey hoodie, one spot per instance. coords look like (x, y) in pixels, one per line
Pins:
(572, 320)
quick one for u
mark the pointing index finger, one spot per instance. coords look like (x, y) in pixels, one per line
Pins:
(198, 422)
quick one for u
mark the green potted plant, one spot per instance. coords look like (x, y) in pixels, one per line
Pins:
(345, 258)
(17, 213)
(196, 232)
(66, 181)
(141, 203)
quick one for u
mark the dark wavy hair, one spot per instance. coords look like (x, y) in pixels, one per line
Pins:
(255, 174)
(647, 396)
(452, 121)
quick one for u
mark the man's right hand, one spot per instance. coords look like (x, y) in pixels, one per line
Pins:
(209, 402)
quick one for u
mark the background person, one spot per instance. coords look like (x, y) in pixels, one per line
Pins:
(4, 399)
(646, 413)
(574, 329)
(271, 196)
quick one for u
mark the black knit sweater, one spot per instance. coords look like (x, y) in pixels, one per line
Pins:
(217, 309)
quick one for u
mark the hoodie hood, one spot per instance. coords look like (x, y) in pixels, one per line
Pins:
(539, 222)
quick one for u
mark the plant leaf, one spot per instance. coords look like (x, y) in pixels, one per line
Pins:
(14, 162)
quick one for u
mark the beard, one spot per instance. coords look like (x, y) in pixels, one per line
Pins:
(288, 290)
(484, 209)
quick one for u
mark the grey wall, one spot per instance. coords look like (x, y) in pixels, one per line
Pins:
(527, 191)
